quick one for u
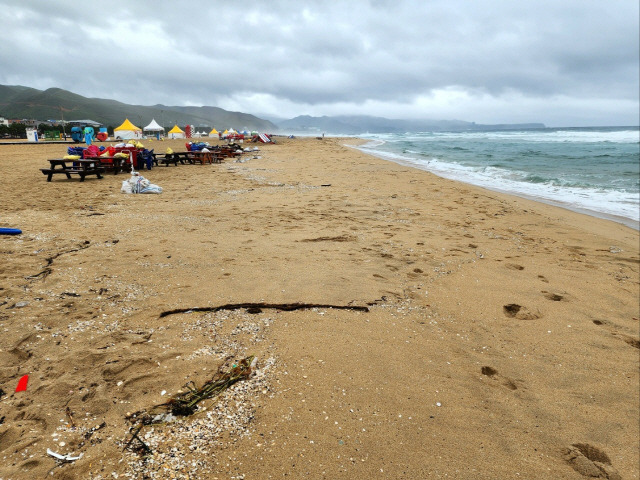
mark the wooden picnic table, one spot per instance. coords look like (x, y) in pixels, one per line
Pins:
(117, 164)
(182, 156)
(202, 157)
(196, 156)
(168, 158)
(81, 166)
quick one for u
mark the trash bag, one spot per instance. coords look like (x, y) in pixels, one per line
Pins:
(126, 187)
(138, 184)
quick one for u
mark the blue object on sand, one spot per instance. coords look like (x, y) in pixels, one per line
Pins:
(77, 134)
(10, 231)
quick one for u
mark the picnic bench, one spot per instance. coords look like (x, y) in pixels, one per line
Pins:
(202, 157)
(168, 158)
(115, 164)
(226, 151)
(81, 167)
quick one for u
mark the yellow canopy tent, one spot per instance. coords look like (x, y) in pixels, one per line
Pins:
(127, 130)
(176, 132)
(213, 133)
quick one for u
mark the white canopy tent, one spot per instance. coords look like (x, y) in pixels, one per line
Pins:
(153, 127)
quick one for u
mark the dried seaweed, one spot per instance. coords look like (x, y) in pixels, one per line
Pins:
(257, 307)
(186, 403)
(48, 269)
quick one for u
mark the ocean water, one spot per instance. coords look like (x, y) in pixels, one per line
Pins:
(589, 170)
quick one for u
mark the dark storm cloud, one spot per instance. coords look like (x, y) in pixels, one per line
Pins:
(377, 57)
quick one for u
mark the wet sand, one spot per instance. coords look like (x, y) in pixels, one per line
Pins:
(501, 337)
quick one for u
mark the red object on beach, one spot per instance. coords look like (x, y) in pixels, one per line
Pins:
(22, 384)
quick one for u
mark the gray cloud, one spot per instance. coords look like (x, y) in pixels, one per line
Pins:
(487, 61)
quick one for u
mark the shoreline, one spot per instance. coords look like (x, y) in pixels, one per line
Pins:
(490, 334)
(629, 222)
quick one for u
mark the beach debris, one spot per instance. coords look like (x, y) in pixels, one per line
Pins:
(10, 231)
(63, 458)
(138, 184)
(22, 383)
(257, 307)
(186, 404)
(71, 422)
(142, 447)
(89, 433)
(48, 269)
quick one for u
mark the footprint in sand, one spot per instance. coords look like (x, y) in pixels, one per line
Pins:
(514, 266)
(590, 461)
(493, 374)
(513, 310)
(554, 297)
(613, 328)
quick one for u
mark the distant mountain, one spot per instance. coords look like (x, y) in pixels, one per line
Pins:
(54, 103)
(359, 124)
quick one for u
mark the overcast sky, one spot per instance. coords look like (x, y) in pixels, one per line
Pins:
(560, 62)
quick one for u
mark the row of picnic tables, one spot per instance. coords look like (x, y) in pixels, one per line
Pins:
(98, 165)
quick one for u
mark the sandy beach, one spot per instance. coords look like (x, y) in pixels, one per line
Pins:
(476, 335)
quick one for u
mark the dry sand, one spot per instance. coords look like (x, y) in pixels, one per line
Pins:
(501, 339)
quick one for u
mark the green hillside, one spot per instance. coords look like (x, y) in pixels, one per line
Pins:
(54, 103)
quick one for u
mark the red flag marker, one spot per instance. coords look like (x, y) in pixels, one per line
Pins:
(22, 384)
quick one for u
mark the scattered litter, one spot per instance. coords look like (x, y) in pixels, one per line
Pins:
(22, 383)
(138, 184)
(64, 458)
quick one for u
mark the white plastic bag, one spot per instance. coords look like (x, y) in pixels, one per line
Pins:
(138, 184)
